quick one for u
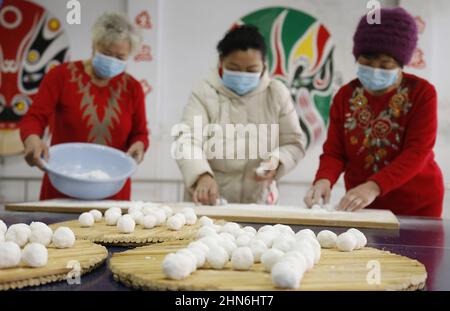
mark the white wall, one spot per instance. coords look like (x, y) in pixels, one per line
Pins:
(188, 32)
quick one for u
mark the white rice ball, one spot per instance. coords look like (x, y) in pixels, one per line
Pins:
(191, 218)
(97, 215)
(268, 237)
(258, 248)
(3, 227)
(86, 220)
(149, 221)
(114, 209)
(298, 259)
(230, 227)
(200, 255)
(346, 242)
(2, 237)
(161, 217)
(284, 229)
(266, 228)
(35, 255)
(242, 258)
(63, 237)
(9, 255)
(228, 245)
(217, 257)
(18, 233)
(305, 233)
(137, 216)
(361, 240)
(201, 245)
(205, 231)
(307, 251)
(40, 233)
(210, 241)
(228, 236)
(270, 257)
(315, 246)
(175, 223)
(284, 242)
(135, 208)
(111, 217)
(250, 230)
(126, 224)
(167, 209)
(284, 275)
(192, 258)
(205, 220)
(327, 239)
(176, 266)
(243, 240)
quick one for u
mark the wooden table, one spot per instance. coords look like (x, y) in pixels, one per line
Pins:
(424, 239)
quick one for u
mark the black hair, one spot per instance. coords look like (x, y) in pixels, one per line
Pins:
(242, 38)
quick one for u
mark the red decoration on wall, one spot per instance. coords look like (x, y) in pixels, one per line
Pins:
(143, 20)
(418, 60)
(420, 24)
(146, 87)
(145, 54)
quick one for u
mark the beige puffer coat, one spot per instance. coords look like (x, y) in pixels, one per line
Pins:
(270, 103)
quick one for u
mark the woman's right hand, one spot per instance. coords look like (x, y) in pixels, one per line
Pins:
(206, 190)
(35, 148)
(320, 190)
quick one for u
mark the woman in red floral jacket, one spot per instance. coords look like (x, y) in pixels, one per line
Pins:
(383, 127)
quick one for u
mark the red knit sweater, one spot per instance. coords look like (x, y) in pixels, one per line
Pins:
(387, 139)
(81, 111)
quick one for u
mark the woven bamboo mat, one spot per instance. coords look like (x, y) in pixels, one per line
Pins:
(109, 235)
(140, 268)
(87, 254)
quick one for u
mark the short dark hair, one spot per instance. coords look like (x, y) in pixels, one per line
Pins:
(242, 38)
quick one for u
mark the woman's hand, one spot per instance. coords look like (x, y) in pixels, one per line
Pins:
(267, 169)
(137, 151)
(359, 197)
(206, 190)
(321, 190)
(35, 148)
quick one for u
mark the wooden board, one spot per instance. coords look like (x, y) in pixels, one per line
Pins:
(291, 215)
(140, 268)
(89, 256)
(252, 213)
(110, 235)
(76, 206)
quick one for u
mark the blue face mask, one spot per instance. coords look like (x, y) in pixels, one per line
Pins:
(107, 67)
(375, 79)
(240, 82)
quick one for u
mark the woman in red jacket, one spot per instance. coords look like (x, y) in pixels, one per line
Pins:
(91, 101)
(383, 127)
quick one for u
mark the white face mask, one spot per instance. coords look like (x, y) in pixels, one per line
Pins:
(241, 82)
(376, 79)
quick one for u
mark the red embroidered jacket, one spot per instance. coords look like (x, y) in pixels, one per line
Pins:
(81, 111)
(388, 139)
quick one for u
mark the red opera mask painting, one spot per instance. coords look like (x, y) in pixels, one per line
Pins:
(32, 41)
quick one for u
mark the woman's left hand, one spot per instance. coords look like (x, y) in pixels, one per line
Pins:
(271, 168)
(359, 197)
(136, 151)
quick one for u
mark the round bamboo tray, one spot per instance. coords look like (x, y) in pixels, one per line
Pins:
(109, 235)
(62, 263)
(140, 268)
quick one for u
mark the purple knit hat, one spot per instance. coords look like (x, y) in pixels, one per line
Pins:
(396, 35)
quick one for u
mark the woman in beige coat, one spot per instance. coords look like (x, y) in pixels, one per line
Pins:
(239, 130)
